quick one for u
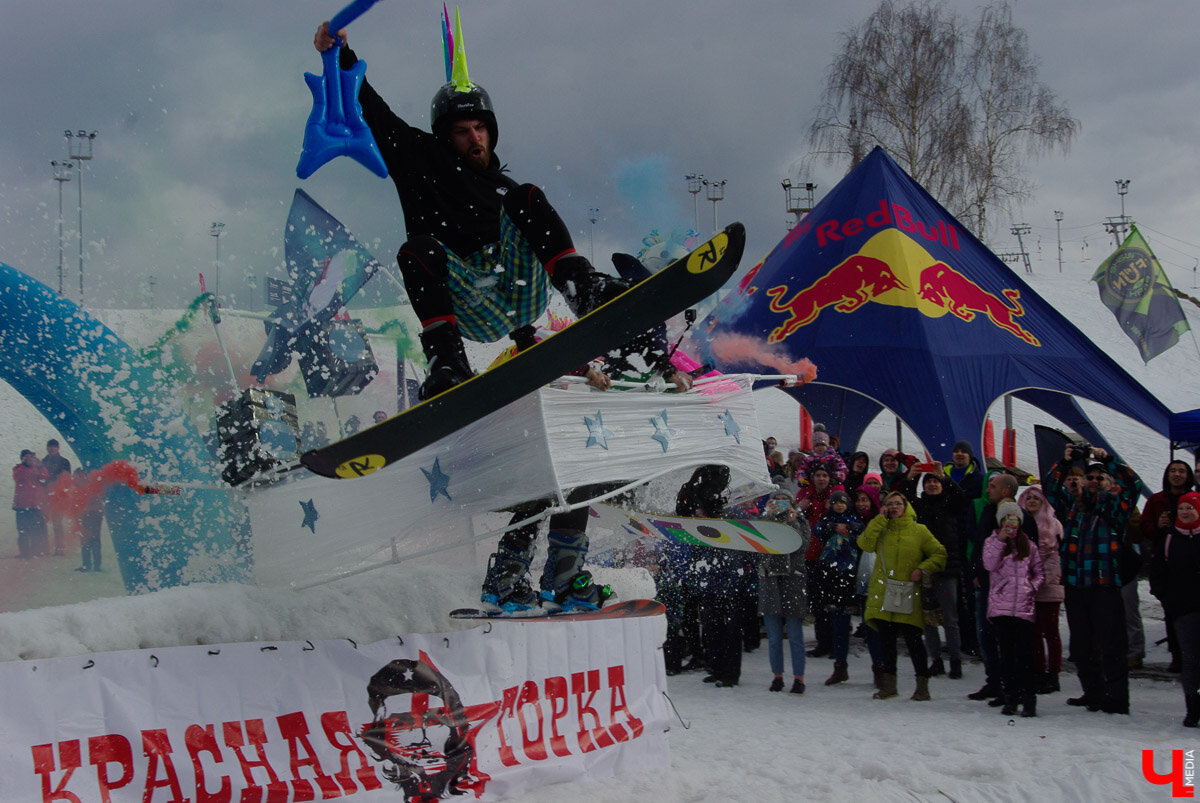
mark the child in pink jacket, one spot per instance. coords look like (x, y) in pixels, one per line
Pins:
(1014, 566)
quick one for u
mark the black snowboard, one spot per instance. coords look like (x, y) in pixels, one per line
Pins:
(684, 282)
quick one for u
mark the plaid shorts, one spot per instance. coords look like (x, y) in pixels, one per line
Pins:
(499, 288)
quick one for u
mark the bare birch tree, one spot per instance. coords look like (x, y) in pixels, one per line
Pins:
(962, 111)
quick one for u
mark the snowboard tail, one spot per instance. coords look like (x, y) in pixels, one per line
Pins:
(686, 281)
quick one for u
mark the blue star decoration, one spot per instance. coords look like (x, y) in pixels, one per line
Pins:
(731, 426)
(662, 431)
(438, 481)
(597, 434)
(310, 516)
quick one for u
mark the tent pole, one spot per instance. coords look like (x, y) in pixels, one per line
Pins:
(899, 436)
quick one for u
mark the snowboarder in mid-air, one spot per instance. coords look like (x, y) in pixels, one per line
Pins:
(482, 254)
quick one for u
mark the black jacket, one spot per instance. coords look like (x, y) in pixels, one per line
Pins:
(940, 513)
(443, 194)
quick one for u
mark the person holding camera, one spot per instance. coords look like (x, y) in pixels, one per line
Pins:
(1092, 552)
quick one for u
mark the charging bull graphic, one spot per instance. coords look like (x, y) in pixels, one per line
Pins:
(891, 268)
(847, 287)
(943, 285)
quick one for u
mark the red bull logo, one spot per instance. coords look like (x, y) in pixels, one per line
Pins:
(893, 269)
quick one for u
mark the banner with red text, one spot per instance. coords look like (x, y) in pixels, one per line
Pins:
(485, 713)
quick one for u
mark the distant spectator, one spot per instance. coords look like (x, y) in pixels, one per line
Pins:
(856, 470)
(782, 598)
(1158, 521)
(379, 416)
(29, 480)
(938, 507)
(822, 454)
(837, 568)
(1015, 566)
(906, 552)
(56, 466)
(1173, 580)
(89, 515)
(813, 500)
(893, 468)
(1047, 643)
(1093, 537)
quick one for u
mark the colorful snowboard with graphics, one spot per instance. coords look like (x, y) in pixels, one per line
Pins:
(618, 610)
(744, 535)
(684, 282)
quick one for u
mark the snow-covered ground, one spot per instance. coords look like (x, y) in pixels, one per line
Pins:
(744, 743)
(732, 744)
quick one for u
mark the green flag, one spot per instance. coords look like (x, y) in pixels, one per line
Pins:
(1134, 286)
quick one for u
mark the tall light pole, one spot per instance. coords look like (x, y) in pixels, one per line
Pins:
(593, 216)
(1058, 219)
(716, 192)
(79, 148)
(799, 202)
(694, 182)
(215, 230)
(62, 172)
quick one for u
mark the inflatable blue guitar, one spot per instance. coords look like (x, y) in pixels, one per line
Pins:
(336, 126)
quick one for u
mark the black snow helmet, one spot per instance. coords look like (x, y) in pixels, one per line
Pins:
(451, 103)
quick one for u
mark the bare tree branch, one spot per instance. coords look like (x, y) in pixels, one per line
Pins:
(963, 113)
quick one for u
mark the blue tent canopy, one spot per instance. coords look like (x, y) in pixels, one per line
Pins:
(899, 306)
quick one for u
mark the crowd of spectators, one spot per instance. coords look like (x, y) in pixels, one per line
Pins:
(956, 562)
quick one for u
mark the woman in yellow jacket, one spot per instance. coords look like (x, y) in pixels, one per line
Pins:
(906, 553)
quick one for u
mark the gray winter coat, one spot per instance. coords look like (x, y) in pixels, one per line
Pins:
(781, 579)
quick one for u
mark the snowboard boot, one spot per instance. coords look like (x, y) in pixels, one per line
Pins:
(922, 692)
(582, 286)
(840, 675)
(448, 365)
(505, 585)
(564, 580)
(887, 687)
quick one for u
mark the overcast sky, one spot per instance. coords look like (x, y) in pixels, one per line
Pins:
(200, 109)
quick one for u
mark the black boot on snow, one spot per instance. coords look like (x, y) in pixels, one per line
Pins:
(448, 365)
